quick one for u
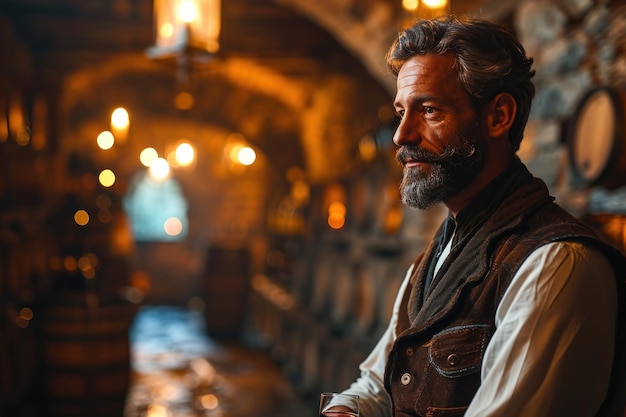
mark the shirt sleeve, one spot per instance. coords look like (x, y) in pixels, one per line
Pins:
(374, 401)
(551, 353)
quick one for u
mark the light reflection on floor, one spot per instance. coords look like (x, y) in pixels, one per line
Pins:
(178, 371)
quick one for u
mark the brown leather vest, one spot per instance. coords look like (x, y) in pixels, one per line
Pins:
(434, 366)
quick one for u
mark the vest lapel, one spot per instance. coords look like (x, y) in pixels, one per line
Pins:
(517, 195)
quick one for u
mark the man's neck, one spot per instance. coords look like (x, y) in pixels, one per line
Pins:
(459, 201)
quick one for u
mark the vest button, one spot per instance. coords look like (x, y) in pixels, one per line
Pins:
(453, 359)
(405, 379)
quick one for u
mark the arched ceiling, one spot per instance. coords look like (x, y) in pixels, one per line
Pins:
(254, 103)
(368, 27)
(303, 80)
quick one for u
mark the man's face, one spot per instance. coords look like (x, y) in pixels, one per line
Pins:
(441, 148)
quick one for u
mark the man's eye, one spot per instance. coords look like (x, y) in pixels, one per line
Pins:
(400, 113)
(429, 110)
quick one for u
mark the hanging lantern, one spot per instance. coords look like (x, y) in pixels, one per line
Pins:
(185, 28)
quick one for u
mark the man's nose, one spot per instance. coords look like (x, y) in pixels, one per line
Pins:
(406, 133)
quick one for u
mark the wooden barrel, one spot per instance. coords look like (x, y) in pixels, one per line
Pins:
(320, 298)
(86, 359)
(361, 203)
(227, 288)
(368, 294)
(342, 294)
(597, 137)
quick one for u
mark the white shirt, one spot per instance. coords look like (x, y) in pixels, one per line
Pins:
(552, 349)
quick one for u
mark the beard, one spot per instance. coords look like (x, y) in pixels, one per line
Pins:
(450, 172)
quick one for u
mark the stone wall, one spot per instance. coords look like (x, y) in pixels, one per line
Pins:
(577, 45)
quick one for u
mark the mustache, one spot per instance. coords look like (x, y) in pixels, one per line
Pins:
(450, 154)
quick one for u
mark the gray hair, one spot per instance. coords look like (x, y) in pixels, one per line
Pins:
(489, 60)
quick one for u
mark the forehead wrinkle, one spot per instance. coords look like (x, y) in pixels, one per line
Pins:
(432, 73)
(431, 78)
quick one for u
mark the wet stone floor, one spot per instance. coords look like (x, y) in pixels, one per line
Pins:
(179, 371)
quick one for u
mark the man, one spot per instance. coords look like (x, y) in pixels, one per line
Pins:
(513, 308)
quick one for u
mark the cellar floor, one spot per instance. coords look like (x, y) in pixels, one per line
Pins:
(178, 370)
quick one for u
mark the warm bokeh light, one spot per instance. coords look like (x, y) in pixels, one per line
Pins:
(69, 263)
(183, 100)
(23, 319)
(246, 156)
(26, 313)
(120, 123)
(410, 5)
(119, 118)
(160, 169)
(55, 263)
(185, 154)
(21, 322)
(148, 156)
(87, 264)
(93, 259)
(367, 148)
(105, 140)
(300, 192)
(173, 226)
(337, 215)
(81, 217)
(209, 401)
(336, 220)
(435, 4)
(234, 152)
(337, 207)
(103, 201)
(166, 30)
(89, 274)
(106, 178)
(393, 219)
(238, 152)
(187, 11)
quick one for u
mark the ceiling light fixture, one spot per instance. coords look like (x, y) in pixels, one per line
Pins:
(186, 31)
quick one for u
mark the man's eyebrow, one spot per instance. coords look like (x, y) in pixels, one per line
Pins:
(419, 99)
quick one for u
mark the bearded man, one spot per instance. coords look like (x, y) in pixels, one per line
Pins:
(513, 310)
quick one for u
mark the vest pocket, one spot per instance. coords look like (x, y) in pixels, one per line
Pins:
(445, 412)
(458, 351)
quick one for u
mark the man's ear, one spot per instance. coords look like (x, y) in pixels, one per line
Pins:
(500, 113)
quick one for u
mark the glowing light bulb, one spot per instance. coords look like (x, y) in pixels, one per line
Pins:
(410, 5)
(105, 140)
(106, 178)
(246, 156)
(173, 226)
(119, 118)
(160, 169)
(435, 4)
(148, 156)
(187, 11)
(185, 154)
(81, 217)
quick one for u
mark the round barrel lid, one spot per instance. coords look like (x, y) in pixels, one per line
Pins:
(596, 140)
